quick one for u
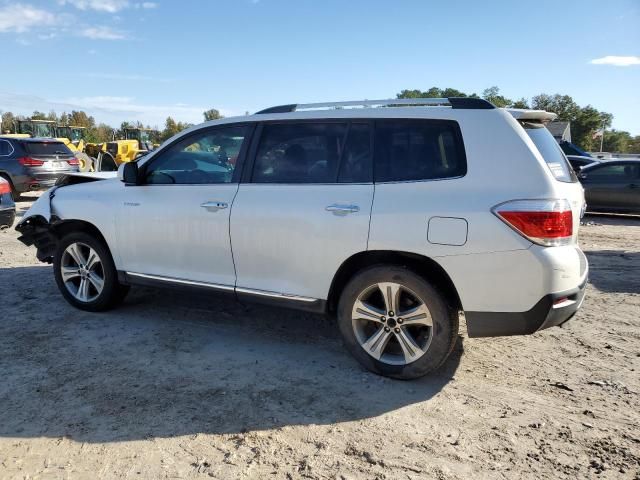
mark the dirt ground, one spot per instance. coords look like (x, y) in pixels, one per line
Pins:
(180, 386)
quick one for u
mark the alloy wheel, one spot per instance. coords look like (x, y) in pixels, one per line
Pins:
(82, 272)
(392, 323)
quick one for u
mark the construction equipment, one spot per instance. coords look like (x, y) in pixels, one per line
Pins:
(109, 155)
(74, 138)
(32, 128)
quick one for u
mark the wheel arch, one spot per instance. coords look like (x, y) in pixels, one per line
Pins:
(422, 265)
(63, 227)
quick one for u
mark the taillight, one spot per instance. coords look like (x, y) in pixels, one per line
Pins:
(4, 187)
(73, 161)
(545, 222)
(30, 162)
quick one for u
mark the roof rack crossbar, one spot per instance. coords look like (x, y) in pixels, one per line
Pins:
(453, 102)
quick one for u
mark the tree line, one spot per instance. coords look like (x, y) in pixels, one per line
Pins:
(587, 122)
(101, 132)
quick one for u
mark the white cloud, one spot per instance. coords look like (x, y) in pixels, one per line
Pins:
(109, 109)
(132, 77)
(20, 18)
(101, 33)
(617, 61)
(109, 6)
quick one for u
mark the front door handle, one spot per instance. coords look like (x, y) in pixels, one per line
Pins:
(634, 185)
(338, 209)
(214, 206)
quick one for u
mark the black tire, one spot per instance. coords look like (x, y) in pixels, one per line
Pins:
(112, 292)
(443, 332)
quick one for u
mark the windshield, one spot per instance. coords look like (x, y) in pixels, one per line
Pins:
(46, 148)
(551, 152)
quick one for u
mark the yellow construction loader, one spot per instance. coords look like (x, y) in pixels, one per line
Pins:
(109, 155)
(74, 138)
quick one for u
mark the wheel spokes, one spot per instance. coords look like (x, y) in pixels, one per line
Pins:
(391, 294)
(83, 290)
(377, 342)
(74, 251)
(364, 311)
(69, 273)
(410, 348)
(96, 281)
(417, 316)
(93, 259)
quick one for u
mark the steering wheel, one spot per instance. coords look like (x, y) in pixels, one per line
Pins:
(160, 172)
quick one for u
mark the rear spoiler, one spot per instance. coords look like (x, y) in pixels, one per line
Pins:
(532, 115)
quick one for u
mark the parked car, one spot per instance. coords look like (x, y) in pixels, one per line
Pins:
(34, 163)
(578, 162)
(571, 149)
(279, 207)
(612, 186)
(7, 207)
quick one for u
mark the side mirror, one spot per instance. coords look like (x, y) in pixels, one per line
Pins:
(128, 173)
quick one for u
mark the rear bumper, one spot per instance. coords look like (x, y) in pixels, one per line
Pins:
(552, 310)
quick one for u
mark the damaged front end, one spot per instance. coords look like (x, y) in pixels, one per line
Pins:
(39, 225)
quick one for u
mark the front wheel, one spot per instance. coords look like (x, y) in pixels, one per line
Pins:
(395, 323)
(85, 273)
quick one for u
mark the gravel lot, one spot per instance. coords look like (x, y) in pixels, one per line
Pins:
(180, 386)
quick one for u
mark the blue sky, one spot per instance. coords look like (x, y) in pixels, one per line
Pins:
(135, 60)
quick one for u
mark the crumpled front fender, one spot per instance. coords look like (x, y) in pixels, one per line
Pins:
(35, 227)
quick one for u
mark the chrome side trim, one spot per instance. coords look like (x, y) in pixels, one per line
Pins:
(282, 296)
(227, 288)
(215, 286)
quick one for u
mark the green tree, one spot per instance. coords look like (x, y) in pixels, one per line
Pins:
(585, 121)
(8, 123)
(492, 94)
(36, 115)
(521, 103)
(617, 141)
(212, 114)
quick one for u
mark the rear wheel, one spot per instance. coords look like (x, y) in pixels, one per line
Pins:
(395, 323)
(85, 273)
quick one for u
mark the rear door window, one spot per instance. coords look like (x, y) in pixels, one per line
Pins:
(551, 152)
(413, 150)
(46, 148)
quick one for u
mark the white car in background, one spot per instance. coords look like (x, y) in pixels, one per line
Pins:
(393, 215)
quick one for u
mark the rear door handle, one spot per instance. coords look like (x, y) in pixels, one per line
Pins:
(338, 209)
(214, 206)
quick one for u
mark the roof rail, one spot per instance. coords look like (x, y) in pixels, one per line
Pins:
(453, 102)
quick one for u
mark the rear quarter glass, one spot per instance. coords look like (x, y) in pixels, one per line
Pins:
(551, 152)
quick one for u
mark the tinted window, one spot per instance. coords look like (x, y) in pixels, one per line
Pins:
(5, 148)
(205, 157)
(551, 152)
(356, 164)
(619, 173)
(418, 150)
(46, 148)
(299, 153)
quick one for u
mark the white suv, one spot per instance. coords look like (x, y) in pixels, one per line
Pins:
(395, 216)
